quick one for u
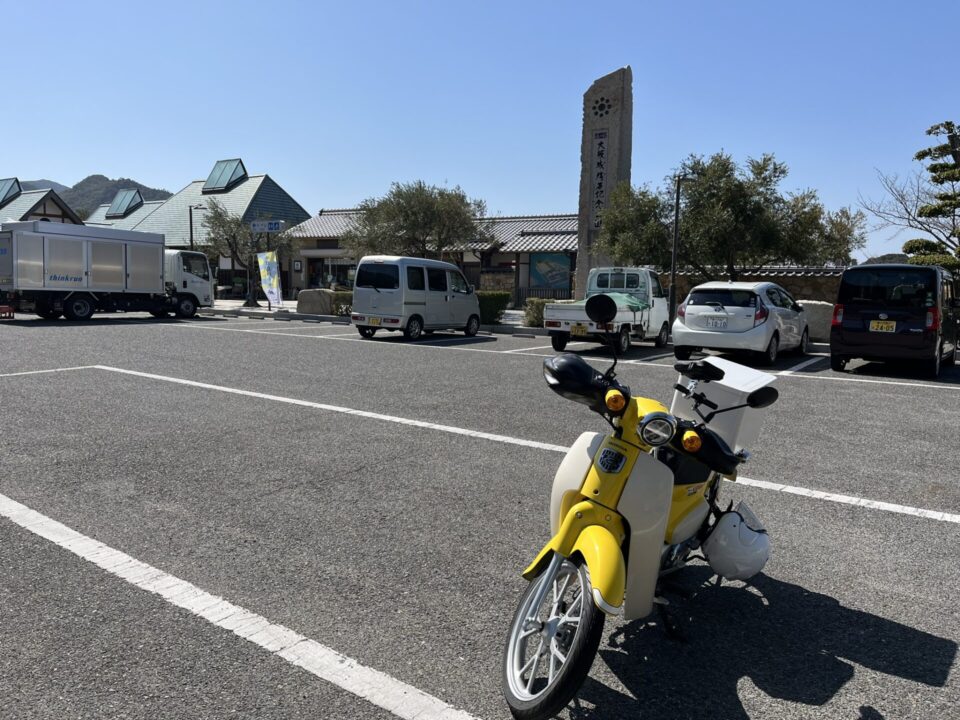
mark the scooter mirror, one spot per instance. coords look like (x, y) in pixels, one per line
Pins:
(601, 308)
(762, 397)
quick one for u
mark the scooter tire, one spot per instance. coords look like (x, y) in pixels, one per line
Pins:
(580, 655)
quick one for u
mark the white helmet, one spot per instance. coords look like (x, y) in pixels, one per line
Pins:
(738, 547)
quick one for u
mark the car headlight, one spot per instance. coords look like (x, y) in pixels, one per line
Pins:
(657, 428)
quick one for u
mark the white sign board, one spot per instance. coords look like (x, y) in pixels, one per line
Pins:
(268, 226)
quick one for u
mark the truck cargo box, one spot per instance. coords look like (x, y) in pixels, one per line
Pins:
(57, 256)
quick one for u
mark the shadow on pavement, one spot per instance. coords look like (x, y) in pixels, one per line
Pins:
(792, 643)
(904, 370)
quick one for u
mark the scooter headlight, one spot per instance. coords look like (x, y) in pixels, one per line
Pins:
(657, 428)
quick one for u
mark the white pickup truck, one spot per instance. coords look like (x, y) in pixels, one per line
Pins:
(642, 310)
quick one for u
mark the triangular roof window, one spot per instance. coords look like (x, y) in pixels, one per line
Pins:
(225, 174)
(124, 203)
(9, 189)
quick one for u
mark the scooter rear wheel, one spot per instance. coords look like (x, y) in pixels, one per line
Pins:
(550, 649)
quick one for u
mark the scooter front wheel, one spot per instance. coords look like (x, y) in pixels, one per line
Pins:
(551, 647)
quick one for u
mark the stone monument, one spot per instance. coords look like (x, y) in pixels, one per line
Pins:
(605, 149)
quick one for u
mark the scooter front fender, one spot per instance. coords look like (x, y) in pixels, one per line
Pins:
(595, 533)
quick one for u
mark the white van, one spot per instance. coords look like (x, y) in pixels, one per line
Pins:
(413, 295)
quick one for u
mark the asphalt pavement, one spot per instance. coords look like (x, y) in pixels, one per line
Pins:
(379, 498)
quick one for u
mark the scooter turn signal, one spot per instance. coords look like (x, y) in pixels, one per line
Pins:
(691, 441)
(615, 401)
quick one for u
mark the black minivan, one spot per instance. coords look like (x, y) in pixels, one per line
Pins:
(896, 312)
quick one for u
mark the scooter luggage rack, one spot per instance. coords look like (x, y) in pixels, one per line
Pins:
(6, 312)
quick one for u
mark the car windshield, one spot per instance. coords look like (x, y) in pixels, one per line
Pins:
(382, 277)
(723, 296)
(894, 287)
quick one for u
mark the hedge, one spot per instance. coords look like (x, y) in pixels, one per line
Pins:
(533, 310)
(492, 305)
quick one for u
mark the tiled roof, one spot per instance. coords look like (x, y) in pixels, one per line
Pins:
(327, 224)
(256, 197)
(520, 233)
(781, 271)
(19, 208)
(99, 216)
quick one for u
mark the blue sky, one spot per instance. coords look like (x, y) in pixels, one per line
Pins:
(337, 100)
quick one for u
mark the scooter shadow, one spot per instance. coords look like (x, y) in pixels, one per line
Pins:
(793, 644)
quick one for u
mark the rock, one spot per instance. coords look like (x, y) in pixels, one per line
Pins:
(315, 302)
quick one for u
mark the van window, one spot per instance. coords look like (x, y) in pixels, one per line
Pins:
(415, 278)
(457, 283)
(893, 287)
(437, 279)
(382, 277)
(633, 281)
(603, 280)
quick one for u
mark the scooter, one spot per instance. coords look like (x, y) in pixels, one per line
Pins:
(627, 509)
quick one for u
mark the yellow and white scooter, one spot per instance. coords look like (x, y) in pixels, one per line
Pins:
(626, 509)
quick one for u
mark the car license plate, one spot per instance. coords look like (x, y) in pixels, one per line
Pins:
(883, 326)
(374, 321)
(578, 329)
(717, 323)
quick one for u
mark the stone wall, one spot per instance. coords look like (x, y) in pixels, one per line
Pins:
(502, 281)
(803, 287)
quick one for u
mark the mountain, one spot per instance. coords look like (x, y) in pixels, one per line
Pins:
(96, 190)
(43, 185)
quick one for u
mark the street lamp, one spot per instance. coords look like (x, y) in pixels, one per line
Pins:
(192, 208)
(681, 178)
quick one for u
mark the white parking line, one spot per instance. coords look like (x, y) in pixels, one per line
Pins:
(54, 370)
(800, 366)
(378, 688)
(819, 494)
(541, 347)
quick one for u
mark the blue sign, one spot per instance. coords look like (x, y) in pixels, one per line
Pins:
(268, 226)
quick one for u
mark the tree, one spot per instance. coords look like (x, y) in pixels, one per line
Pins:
(733, 220)
(230, 236)
(636, 229)
(416, 219)
(928, 201)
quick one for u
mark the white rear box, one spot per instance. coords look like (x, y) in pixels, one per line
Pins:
(739, 428)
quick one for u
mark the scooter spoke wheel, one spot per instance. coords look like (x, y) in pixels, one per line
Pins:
(551, 647)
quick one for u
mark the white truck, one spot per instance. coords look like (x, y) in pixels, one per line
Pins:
(56, 269)
(642, 310)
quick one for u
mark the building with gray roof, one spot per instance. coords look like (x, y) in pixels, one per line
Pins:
(528, 255)
(19, 205)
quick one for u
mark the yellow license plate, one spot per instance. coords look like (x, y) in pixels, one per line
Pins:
(578, 329)
(374, 321)
(883, 326)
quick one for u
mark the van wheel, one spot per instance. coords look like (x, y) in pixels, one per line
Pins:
(473, 326)
(414, 328)
(367, 332)
(662, 336)
(559, 341)
(837, 363)
(78, 307)
(933, 366)
(682, 353)
(623, 340)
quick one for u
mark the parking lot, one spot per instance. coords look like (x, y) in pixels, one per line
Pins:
(378, 499)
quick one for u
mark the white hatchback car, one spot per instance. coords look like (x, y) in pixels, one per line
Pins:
(759, 317)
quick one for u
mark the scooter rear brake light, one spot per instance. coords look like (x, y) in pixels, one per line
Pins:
(837, 316)
(761, 314)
